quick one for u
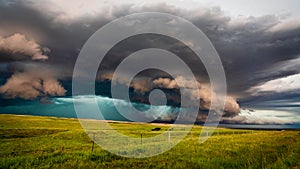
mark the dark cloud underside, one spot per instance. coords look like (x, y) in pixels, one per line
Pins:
(253, 50)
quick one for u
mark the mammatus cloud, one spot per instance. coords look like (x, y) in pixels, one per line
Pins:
(18, 47)
(31, 85)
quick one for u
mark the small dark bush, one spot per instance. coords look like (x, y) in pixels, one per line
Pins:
(156, 129)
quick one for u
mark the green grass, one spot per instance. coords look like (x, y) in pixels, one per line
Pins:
(46, 142)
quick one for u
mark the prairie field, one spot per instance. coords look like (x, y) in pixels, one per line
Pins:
(49, 142)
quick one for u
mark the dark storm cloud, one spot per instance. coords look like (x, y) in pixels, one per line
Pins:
(31, 80)
(65, 40)
(23, 55)
(251, 48)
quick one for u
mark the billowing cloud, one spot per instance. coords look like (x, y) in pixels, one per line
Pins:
(29, 81)
(140, 85)
(31, 85)
(18, 47)
(231, 106)
(166, 83)
(206, 94)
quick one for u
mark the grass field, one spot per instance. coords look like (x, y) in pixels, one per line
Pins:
(46, 142)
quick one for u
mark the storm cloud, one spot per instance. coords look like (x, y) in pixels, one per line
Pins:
(18, 47)
(260, 54)
(231, 107)
(29, 80)
(31, 85)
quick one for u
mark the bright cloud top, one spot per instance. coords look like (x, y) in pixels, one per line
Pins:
(280, 85)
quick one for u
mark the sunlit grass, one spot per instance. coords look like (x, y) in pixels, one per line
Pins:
(46, 142)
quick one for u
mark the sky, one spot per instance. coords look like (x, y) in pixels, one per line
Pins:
(257, 41)
(256, 7)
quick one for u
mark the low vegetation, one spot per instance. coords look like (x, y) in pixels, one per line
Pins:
(47, 142)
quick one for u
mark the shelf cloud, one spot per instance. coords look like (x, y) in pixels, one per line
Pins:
(260, 54)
